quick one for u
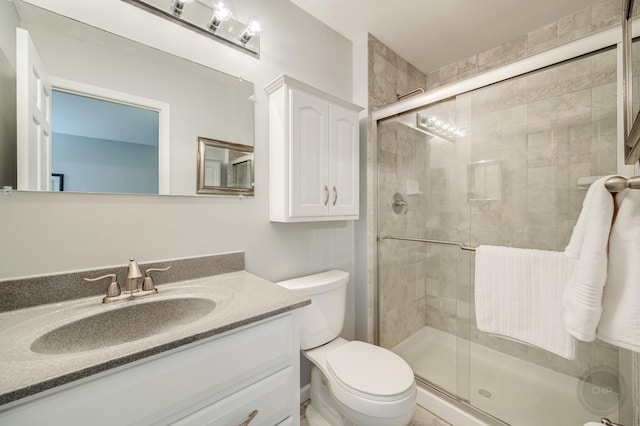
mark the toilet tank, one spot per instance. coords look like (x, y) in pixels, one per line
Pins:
(322, 321)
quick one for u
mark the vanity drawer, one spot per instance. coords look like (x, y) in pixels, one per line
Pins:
(168, 387)
(270, 400)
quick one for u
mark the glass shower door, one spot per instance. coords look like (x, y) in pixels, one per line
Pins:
(495, 166)
(418, 301)
(529, 140)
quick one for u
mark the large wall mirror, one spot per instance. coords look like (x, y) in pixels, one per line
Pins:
(124, 117)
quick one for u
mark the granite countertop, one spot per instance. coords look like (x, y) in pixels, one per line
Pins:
(241, 299)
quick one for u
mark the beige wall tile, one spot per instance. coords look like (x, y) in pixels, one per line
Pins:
(575, 26)
(542, 39)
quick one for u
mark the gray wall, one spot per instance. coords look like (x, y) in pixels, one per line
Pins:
(46, 233)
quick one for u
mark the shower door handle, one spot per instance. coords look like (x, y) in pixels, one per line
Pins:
(326, 195)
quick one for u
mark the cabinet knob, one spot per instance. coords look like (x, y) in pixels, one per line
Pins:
(253, 414)
(335, 195)
(326, 195)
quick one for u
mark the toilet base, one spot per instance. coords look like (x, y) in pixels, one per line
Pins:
(325, 410)
(322, 410)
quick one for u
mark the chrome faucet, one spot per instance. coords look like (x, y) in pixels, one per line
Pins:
(134, 277)
(135, 286)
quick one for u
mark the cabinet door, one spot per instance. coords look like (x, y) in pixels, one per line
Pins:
(308, 156)
(344, 154)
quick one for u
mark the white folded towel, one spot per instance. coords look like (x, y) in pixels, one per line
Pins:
(582, 298)
(518, 295)
(620, 322)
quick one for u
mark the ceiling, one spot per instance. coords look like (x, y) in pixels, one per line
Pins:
(432, 33)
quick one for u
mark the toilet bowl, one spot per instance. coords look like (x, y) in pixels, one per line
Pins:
(352, 383)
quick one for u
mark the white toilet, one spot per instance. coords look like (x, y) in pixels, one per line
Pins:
(351, 382)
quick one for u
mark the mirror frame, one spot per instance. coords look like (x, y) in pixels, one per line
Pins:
(632, 132)
(201, 188)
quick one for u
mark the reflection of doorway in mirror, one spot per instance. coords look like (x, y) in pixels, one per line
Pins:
(212, 172)
(104, 146)
(107, 141)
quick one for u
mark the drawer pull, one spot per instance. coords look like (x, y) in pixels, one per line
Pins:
(253, 414)
(326, 195)
(335, 195)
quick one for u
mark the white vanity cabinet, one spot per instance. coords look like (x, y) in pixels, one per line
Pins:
(314, 154)
(221, 380)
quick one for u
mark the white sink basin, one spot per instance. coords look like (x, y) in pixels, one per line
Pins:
(128, 323)
(85, 326)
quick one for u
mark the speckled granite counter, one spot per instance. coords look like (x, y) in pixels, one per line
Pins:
(241, 299)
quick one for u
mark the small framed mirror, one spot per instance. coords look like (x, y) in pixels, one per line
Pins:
(224, 168)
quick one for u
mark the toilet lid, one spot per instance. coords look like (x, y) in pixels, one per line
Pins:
(370, 369)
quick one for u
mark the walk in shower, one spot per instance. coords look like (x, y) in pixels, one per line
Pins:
(496, 165)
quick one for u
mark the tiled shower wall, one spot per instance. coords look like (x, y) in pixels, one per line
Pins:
(402, 157)
(418, 283)
(538, 133)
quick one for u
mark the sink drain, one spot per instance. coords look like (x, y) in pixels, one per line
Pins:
(485, 393)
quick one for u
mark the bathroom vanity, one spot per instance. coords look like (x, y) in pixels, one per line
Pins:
(234, 364)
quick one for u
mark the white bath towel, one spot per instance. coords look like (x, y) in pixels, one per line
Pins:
(582, 298)
(518, 295)
(620, 322)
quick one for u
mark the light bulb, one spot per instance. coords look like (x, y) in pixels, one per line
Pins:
(221, 13)
(178, 5)
(253, 28)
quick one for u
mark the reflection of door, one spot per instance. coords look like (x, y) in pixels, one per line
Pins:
(212, 173)
(33, 116)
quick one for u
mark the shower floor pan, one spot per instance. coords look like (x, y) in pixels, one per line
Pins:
(510, 389)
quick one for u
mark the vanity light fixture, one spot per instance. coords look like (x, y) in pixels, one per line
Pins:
(221, 13)
(252, 29)
(177, 6)
(439, 127)
(212, 18)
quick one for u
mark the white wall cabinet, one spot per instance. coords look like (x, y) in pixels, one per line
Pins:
(314, 154)
(216, 381)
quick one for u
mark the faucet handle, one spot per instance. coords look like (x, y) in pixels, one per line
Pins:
(148, 281)
(114, 288)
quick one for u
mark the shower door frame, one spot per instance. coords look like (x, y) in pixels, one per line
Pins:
(610, 38)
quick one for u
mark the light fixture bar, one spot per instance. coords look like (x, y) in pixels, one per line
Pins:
(216, 21)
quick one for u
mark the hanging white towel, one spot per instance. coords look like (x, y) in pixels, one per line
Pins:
(582, 298)
(620, 322)
(518, 295)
